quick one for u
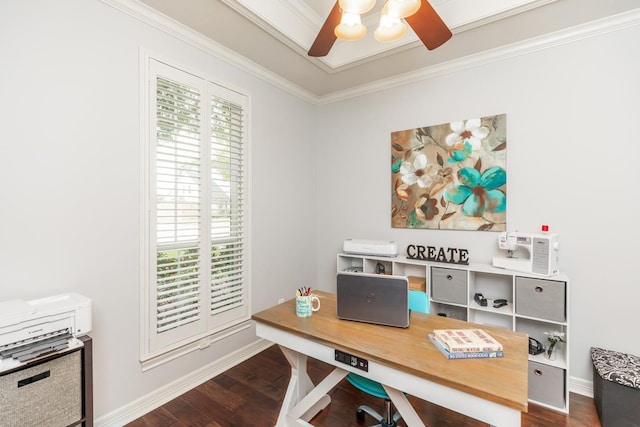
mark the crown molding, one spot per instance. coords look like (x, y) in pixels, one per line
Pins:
(584, 31)
(181, 32)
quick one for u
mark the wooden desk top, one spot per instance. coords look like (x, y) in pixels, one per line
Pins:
(501, 380)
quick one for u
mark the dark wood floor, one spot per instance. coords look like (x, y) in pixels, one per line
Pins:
(250, 394)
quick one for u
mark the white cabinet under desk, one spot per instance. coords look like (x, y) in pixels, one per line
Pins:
(535, 304)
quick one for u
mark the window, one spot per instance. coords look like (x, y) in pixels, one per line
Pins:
(195, 283)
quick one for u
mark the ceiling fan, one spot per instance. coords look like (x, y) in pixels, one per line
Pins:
(344, 22)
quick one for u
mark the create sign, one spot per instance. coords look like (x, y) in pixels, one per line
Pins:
(431, 253)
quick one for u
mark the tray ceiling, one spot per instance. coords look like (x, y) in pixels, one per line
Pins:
(276, 34)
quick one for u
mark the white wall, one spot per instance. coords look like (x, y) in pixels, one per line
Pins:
(70, 165)
(572, 163)
(70, 173)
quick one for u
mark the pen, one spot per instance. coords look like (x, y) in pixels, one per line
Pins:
(303, 291)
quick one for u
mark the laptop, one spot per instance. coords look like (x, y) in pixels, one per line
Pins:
(373, 298)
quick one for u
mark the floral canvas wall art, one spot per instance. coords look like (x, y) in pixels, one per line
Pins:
(450, 176)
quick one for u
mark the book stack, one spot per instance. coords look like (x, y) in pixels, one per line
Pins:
(466, 343)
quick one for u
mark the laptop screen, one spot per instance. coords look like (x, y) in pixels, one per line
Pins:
(373, 298)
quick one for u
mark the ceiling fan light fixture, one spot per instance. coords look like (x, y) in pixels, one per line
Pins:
(390, 29)
(350, 27)
(357, 7)
(422, 18)
(402, 8)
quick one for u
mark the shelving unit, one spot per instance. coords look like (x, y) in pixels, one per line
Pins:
(535, 304)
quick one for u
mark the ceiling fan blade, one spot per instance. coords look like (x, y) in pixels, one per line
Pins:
(326, 37)
(429, 27)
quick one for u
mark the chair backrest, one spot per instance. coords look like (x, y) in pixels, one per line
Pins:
(419, 301)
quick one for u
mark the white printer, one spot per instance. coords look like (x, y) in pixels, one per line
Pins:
(34, 328)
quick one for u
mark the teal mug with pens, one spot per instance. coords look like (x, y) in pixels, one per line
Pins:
(306, 303)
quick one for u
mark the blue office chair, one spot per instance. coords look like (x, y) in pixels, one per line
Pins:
(418, 301)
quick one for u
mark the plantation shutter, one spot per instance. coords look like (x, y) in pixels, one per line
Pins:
(197, 264)
(228, 290)
(178, 203)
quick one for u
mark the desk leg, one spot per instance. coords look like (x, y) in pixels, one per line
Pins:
(302, 401)
(403, 406)
(317, 399)
(299, 385)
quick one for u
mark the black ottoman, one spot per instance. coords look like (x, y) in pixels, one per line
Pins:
(616, 387)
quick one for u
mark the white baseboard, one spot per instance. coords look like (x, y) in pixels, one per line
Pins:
(159, 397)
(580, 386)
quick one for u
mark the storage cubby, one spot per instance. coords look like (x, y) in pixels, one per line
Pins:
(541, 298)
(378, 266)
(547, 384)
(536, 329)
(486, 317)
(492, 287)
(349, 262)
(448, 310)
(535, 304)
(449, 285)
(416, 272)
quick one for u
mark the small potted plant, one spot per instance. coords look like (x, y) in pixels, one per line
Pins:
(553, 338)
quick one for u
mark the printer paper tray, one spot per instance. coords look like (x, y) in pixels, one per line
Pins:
(35, 330)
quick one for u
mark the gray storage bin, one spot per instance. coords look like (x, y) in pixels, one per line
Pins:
(449, 285)
(43, 394)
(541, 298)
(546, 384)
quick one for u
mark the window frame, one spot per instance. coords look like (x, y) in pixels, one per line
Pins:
(210, 328)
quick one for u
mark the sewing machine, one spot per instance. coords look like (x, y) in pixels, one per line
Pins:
(528, 252)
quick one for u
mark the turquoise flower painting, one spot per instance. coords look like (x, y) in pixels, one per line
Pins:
(450, 176)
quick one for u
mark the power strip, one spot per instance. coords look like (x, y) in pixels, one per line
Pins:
(355, 361)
